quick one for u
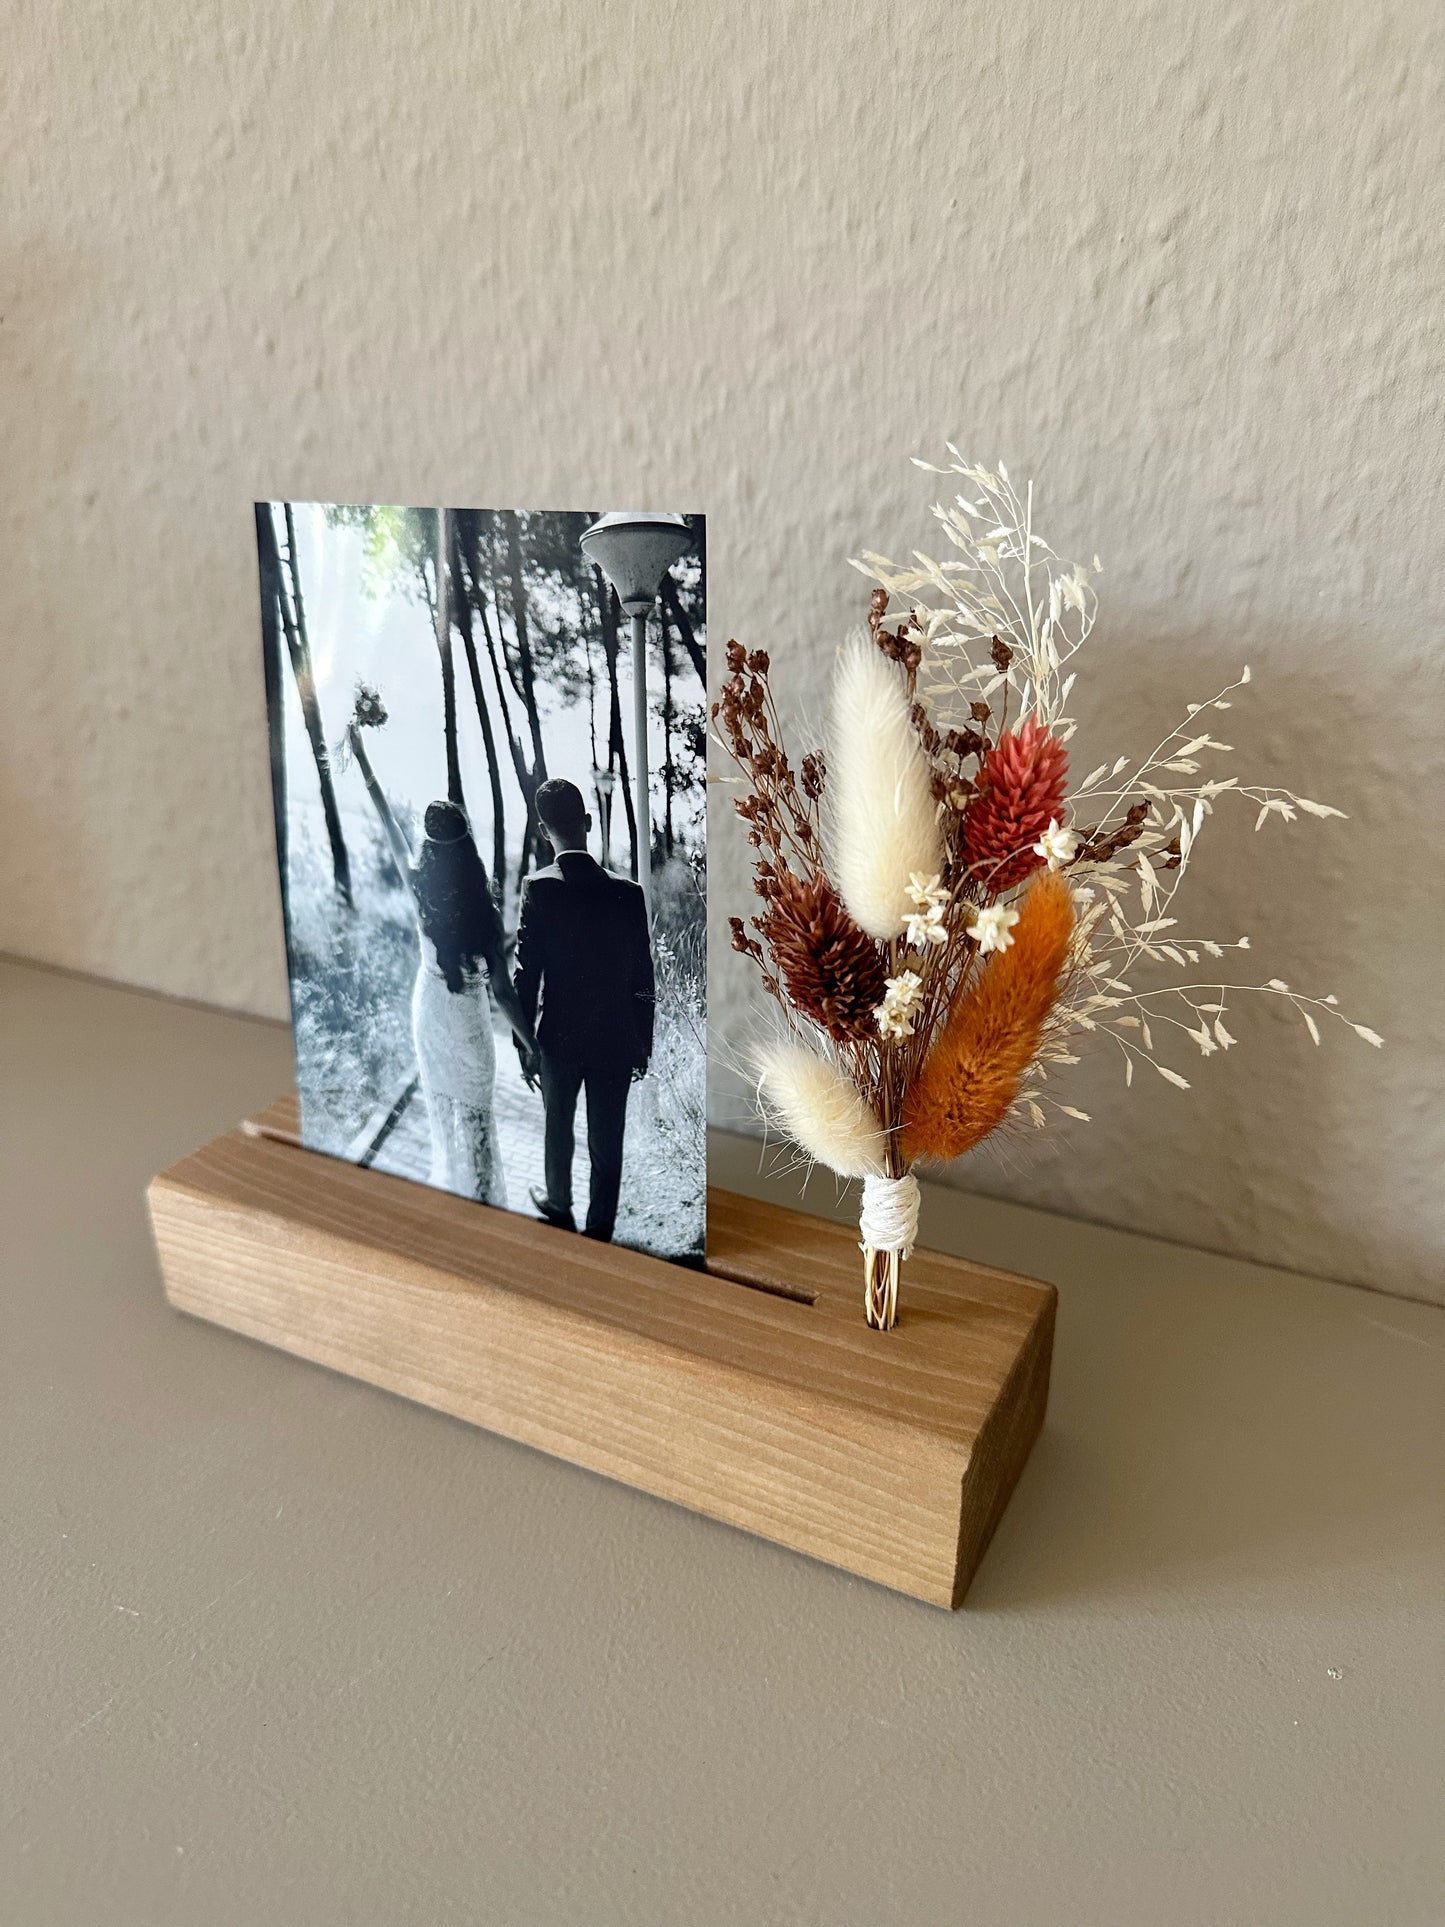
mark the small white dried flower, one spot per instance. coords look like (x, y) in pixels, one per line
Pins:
(992, 929)
(927, 892)
(894, 1015)
(926, 925)
(1057, 846)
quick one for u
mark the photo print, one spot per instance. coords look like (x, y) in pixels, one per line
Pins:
(488, 754)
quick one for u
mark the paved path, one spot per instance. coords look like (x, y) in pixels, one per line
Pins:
(643, 1214)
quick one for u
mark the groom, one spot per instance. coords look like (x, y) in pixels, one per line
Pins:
(583, 945)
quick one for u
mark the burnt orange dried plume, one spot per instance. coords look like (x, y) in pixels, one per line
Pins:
(972, 1073)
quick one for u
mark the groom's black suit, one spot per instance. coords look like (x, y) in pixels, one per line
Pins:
(583, 948)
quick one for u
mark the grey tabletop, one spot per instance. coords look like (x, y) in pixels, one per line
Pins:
(280, 1648)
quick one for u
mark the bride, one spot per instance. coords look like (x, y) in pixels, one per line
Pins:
(460, 936)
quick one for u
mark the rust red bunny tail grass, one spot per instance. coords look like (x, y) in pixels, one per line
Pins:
(1021, 791)
(972, 1074)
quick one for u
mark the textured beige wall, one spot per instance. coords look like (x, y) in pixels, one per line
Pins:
(1181, 262)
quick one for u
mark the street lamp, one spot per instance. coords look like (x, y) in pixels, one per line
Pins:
(635, 551)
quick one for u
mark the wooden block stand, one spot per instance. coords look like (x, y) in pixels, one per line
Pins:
(754, 1392)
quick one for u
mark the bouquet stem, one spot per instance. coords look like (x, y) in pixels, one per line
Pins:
(888, 1224)
(880, 1286)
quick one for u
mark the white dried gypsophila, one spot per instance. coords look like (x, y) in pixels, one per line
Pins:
(900, 1002)
(927, 924)
(992, 928)
(1114, 938)
(1058, 846)
(1007, 581)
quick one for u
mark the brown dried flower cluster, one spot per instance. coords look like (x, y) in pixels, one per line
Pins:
(833, 973)
(901, 645)
(1098, 846)
(813, 956)
(781, 813)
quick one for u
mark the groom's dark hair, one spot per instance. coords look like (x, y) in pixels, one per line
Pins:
(561, 808)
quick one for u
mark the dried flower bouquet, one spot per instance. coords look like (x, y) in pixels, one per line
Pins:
(942, 916)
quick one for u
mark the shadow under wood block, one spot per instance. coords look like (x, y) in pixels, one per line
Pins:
(752, 1392)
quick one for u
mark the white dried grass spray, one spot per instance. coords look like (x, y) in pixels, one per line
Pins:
(816, 1105)
(883, 819)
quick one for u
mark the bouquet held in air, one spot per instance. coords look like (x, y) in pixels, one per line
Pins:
(944, 916)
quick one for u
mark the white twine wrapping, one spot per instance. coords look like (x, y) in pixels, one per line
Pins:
(889, 1218)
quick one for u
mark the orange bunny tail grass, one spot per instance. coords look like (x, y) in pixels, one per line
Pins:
(973, 1072)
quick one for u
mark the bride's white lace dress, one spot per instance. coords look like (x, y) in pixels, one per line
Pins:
(456, 1055)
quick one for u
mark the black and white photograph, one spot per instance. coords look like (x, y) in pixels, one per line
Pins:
(488, 753)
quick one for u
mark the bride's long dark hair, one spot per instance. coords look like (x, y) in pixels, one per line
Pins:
(453, 896)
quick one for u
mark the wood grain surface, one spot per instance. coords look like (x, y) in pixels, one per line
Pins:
(753, 1392)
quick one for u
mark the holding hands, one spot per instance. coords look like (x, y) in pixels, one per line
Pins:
(530, 1058)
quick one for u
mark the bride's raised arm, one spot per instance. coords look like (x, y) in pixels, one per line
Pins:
(395, 835)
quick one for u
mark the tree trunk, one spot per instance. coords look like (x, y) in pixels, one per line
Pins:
(470, 538)
(591, 689)
(501, 659)
(463, 613)
(522, 631)
(672, 605)
(616, 742)
(527, 684)
(298, 645)
(669, 770)
(275, 694)
(527, 782)
(444, 649)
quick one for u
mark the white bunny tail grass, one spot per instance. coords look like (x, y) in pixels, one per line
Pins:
(816, 1105)
(883, 818)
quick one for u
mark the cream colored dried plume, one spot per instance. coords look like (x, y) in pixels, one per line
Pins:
(884, 826)
(815, 1104)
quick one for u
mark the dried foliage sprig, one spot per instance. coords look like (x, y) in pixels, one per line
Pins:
(942, 917)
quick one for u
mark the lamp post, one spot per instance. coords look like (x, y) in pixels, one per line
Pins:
(635, 551)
